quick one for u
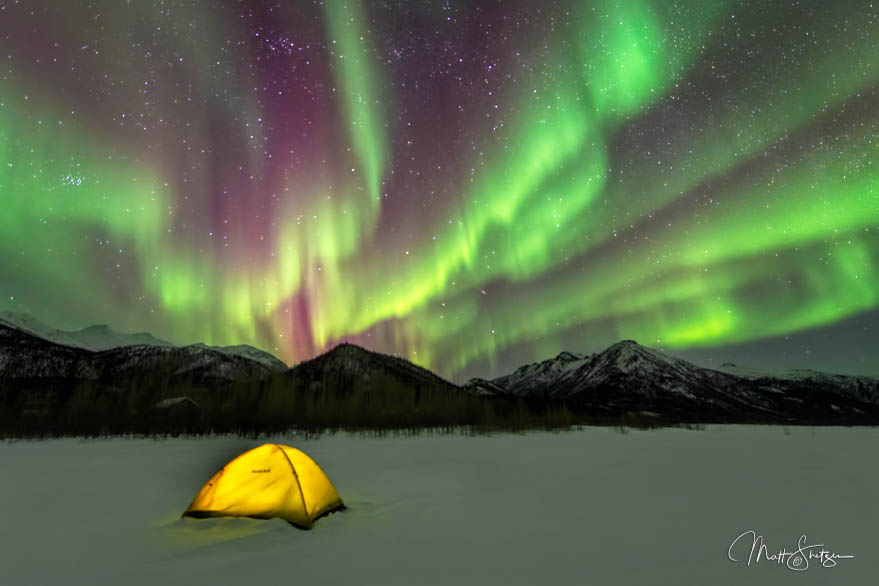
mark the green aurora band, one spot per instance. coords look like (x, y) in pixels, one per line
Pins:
(753, 213)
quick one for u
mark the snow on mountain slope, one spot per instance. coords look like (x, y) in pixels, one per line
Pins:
(629, 377)
(24, 355)
(102, 337)
(97, 337)
(195, 361)
(249, 352)
(533, 378)
(27, 323)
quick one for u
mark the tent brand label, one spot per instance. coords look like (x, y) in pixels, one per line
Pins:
(262, 471)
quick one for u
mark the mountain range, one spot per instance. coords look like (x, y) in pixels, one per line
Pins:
(30, 348)
(630, 377)
(625, 378)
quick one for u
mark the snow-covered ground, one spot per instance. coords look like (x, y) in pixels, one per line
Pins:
(594, 507)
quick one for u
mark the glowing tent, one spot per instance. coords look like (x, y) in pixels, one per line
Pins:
(265, 482)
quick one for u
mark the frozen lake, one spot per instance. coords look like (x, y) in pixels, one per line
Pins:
(593, 506)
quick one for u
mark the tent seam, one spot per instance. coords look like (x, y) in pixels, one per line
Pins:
(298, 482)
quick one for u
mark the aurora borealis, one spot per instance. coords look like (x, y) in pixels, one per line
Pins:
(466, 184)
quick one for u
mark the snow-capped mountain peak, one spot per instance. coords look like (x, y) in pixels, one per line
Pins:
(96, 337)
(629, 377)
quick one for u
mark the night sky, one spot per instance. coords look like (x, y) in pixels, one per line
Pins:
(470, 185)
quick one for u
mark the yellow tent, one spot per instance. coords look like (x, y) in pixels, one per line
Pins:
(269, 481)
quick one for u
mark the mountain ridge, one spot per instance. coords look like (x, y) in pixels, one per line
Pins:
(99, 337)
(627, 375)
(24, 355)
(624, 378)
